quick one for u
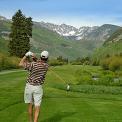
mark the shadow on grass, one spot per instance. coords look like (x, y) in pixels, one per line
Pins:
(58, 116)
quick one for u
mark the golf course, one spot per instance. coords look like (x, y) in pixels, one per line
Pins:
(60, 61)
(82, 103)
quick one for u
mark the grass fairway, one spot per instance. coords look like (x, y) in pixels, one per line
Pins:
(57, 104)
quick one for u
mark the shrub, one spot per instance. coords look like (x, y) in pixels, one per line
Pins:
(98, 77)
(106, 80)
(96, 89)
(55, 62)
(105, 63)
(112, 63)
(85, 80)
(81, 61)
(115, 64)
(76, 63)
(95, 62)
(83, 77)
(7, 62)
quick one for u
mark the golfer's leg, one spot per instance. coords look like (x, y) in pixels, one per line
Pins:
(36, 113)
(37, 101)
(30, 112)
(29, 100)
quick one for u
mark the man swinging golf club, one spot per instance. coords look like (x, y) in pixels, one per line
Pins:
(33, 89)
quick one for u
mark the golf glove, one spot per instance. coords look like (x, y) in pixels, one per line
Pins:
(28, 54)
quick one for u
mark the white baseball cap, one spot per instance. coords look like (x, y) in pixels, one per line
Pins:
(44, 54)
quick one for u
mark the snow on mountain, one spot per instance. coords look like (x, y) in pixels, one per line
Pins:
(63, 29)
(3, 18)
(84, 32)
(95, 33)
(68, 30)
(100, 33)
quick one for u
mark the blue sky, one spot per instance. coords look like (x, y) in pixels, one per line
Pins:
(73, 12)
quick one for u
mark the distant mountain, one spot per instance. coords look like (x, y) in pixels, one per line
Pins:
(2, 18)
(4, 32)
(112, 46)
(45, 39)
(102, 33)
(59, 39)
(115, 37)
(4, 25)
(63, 29)
(83, 33)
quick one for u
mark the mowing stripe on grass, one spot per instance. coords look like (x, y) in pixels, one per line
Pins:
(10, 71)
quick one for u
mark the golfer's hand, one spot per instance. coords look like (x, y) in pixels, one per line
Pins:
(33, 55)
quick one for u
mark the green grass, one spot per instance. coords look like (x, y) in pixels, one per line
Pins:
(57, 104)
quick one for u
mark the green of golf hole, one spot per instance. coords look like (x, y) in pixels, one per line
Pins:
(57, 104)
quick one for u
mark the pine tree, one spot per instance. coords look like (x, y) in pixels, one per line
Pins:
(21, 31)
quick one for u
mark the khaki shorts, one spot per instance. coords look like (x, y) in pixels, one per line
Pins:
(33, 94)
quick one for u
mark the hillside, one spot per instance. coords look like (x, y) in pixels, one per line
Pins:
(47, 39)
(103, 32)
(115, 37)
(112, 46)
(99, 33)
(44, 39)
(4, 31)
(3, 45)
(4, 24)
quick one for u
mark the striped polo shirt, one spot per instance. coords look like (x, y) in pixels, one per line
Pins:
(37, 71)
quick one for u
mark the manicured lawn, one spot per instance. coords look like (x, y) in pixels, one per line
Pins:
(57, 104)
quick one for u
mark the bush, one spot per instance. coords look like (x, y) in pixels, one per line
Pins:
(55, 62)
(58, 61)
(81, 61)
(76, 63)
(98, 77)
(96, 89)
(83, 77)
(106, 80)
(115, 64)
(105, 63)
(7, 62)
(112, 63)
(95, 62)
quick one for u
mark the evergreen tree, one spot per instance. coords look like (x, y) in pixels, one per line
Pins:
(21, 31)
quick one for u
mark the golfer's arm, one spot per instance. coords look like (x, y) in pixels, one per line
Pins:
(23, 60)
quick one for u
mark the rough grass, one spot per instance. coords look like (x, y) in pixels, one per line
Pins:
(57, 105)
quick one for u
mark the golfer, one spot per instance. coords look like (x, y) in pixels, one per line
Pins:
(33, 89)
